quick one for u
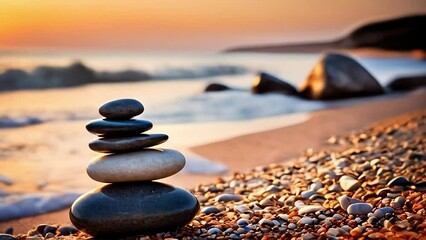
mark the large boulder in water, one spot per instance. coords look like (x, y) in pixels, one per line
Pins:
(407, 83)
(338, 76)
(266, 83)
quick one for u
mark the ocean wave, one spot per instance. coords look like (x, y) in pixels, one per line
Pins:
(229, 106)
(196, 164)
(9, 122)
(14, 206)
(78, 74)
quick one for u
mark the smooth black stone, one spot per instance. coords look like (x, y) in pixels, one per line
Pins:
(49, 229)
(121, 109)
(338, 76)
(216, 87)
(6, 237)
(266, 83)
(408, 83)
(133, 208)
(419, 156)
(127, 144)
(399, 181)
(67, 230)
(118, 128)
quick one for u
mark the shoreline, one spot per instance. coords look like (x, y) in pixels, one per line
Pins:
(277, 145)
(285, 143)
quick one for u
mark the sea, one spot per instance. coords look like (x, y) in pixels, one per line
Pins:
(237, 70)
(174, 99)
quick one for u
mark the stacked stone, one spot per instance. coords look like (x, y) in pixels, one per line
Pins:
(131, 203)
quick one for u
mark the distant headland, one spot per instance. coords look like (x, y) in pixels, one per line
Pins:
(399, 34)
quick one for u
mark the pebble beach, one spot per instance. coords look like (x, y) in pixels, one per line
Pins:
(369, 184)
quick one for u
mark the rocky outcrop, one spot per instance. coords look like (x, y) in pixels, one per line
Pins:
(338, 76)
(400, 34)
(407, 83)
(216, 87)
(266, 83)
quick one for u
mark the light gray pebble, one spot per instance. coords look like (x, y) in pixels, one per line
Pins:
(310, 209)
(266, 222)
(292, 226)
(398, 202)
(345, 201)
(316, 185)
(307, 194)
(306, 220)
(272, 188)
(346, 228)
(381, 212)
(283, 216)
(349, 183)
(359, 208)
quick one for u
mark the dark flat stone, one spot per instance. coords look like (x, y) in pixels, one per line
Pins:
(266, 83)
(104, 127)
(127, 144)
(121, 109)
(399, 181)
(126, 209)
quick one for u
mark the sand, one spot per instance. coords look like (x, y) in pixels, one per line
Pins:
(282, 144)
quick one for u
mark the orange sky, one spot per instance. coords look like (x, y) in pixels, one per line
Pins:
(184, 24)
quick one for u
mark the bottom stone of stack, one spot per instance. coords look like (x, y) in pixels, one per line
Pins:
(133, 208)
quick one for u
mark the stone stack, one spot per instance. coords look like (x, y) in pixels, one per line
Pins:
(132, 203)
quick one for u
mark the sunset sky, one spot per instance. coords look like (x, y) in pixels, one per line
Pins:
(184, 25)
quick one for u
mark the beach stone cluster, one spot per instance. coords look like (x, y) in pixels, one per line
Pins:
(368, 185)
(132, 203)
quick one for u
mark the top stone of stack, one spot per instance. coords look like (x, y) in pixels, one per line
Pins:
(121, 109)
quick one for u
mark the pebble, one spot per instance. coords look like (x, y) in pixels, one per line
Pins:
(212, 231)
(349, 183)
(50, 229)
(67, 230)
(266, 222)
(345, 201)
(9, 230)
(310, 209)
(148, 164)
(49, 235)
(399, 181)
(316, 186)
(306, 220)
(398, 202)
(291, 226)
(115, 128)
(121, 109)
(243, 222)
(209, 210)
(127, 144)
(307, 193)
(359, 208)
(381, 212)
(228, 197)
(133, 208)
